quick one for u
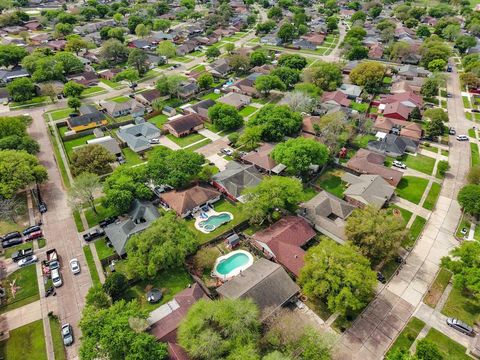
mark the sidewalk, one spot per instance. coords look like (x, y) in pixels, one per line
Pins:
(23, 315)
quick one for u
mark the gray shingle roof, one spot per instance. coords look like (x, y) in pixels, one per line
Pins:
(238, 177)
(368, 189)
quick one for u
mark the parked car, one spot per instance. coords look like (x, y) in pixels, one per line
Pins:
(460, 326)
(399, 164)
(52, 259)
(452, 131)
(42, 207)
(31, 229)
(34, 235)
(158, 190)
(462, 137)
(154, 141)
(11, 242)
(107, 221)
(67, 334)
(226, 151)
(21, 254)
(11, 235)
(449, 95)
(381, 278)
(121, 160)
(475, 110)
(56, 278)
(93, 234)
(75, 266)
(27, 261)
(449, 68)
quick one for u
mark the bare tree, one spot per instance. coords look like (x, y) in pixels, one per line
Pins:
(82, 191)
(9, 208)
(299, 101)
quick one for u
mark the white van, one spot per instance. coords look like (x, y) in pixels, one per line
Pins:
(56, 278)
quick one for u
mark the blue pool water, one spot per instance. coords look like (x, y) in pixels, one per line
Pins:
(226, 266)
(215, 221)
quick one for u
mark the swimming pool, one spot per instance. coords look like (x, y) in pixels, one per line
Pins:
(214, 221)
(232, 264)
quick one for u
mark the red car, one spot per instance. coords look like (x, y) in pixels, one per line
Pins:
(34, 235)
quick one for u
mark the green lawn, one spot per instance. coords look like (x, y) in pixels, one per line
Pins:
(60, 113)
(36, 101)
(466, 102)
(41, 243)
(119, 99)
(359, 107)
(112, 84)
(103, 251)
(411, 188)
(247, 110)
(131, 157)
(471, 133)
(158, 120)
(408, 335)
(432, 196)
(21, 220)
(61, 165)
(437, 288)
(450, 349)
(362, 140)
(78, 221)
(211, 96)
(186, 140)
(405, 213)
(92, 90)
(319, 307)
(464, 223)
(91, 265)
(57, 340)
(331, 181)
(70, 144)
(387, 80)
(462, 306)
(220, 206)
(414, 231)
(420, 163)
(102, 213)
(475, 160)
(25, 342)
(199, 145)
(182, 59)
(308, 194)
(26, 280)
(197, 68)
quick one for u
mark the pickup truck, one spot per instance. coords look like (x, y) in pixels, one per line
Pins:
(21, 254)
(93, 234)
(52, 259)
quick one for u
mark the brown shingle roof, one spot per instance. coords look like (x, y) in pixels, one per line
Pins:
(186, 200)
(336, 96)
(185, 123)
(261, 157)
(368, 162)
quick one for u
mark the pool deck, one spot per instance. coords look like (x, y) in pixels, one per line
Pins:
(235, 271)
(209, 213)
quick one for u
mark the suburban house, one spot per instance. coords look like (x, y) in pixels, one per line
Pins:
(235, 99)
(368, 162)
(201, 108)
(109, 143)
(335, 98)
(235, 178)
(352, 91)
(137, 136)
(398, 127)
(109, 74)
(283, 241)
(89, 118)
(245, 86)
(141, 215)
(367, 190)
(328, 214)
(308, 124)
(147, 97)
(165, 320)
(266, 283)
(396, 110)
(7, 76)
(408, 72)
(262, 160)
(117, 109)
(184, 125)
(186, 202)
(187, 89)
(393, 145)
(86, 78)
(219, 68)
(407, 98)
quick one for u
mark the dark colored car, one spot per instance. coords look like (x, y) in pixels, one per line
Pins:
(11, 235)
(460, 326)
(452, 131)
(381, 278)
(42, 207)
(107, 221)
(20, 254)
(94, 234)
(11, 242)
(475, 110)
(34, 235)
(31, 229)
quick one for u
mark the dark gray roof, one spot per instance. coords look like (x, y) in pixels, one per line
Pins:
(237, 177)
(204, 104)
(265, 282)
(141, 215)
(86, 119)
(392, 144)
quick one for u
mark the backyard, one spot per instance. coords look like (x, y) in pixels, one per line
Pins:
(411, 188)
(25, 342)
(103, 251)
(71, 144)
(331, 181)
(247, 111)
(158, 120)
(25, 282)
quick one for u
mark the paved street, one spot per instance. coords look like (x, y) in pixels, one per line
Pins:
(376, 328)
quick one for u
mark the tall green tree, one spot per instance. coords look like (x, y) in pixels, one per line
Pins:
(167, 48)
(73, 89)
(22, 89)
(163, 245)
(292, 61)
(327, 76)
(276, 121)
(369, 74)
(225, 117)
(220, 329)
(469, 198)
(266, 83)
(338, 275)
(138, 59)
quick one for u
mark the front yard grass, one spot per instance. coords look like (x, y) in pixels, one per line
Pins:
(9, 251)
(331, 181)
(471, 133)
(78, 221)
(414, 232)
(103, 251)
(422, 163)
(432, 196)
(408, 335)
(25, 342)
(466, 102)
(450, 349)
(26, 281)
(91, 265)
(60, 163)
(131, 157)
(437, 288)
(60, 113)
(211, 96)
(102, 213)
(93, 90)
(462, 306)
(406, 214)
(411, 188)
(57, 340)
(119, 99)
(247, 111)
(186, 140)
(112, 84)
(158, 120)
(199, 145)
(220, 206)
(475, 159)
(21, 219)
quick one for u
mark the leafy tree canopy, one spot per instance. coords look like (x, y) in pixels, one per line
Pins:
(276, 121)
(225, 117)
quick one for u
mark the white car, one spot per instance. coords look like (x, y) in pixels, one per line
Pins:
(399, 164)
(75, 266)
(27, 261)
(462, 137)
(227, 151)
(154, 141)
(56, 278)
